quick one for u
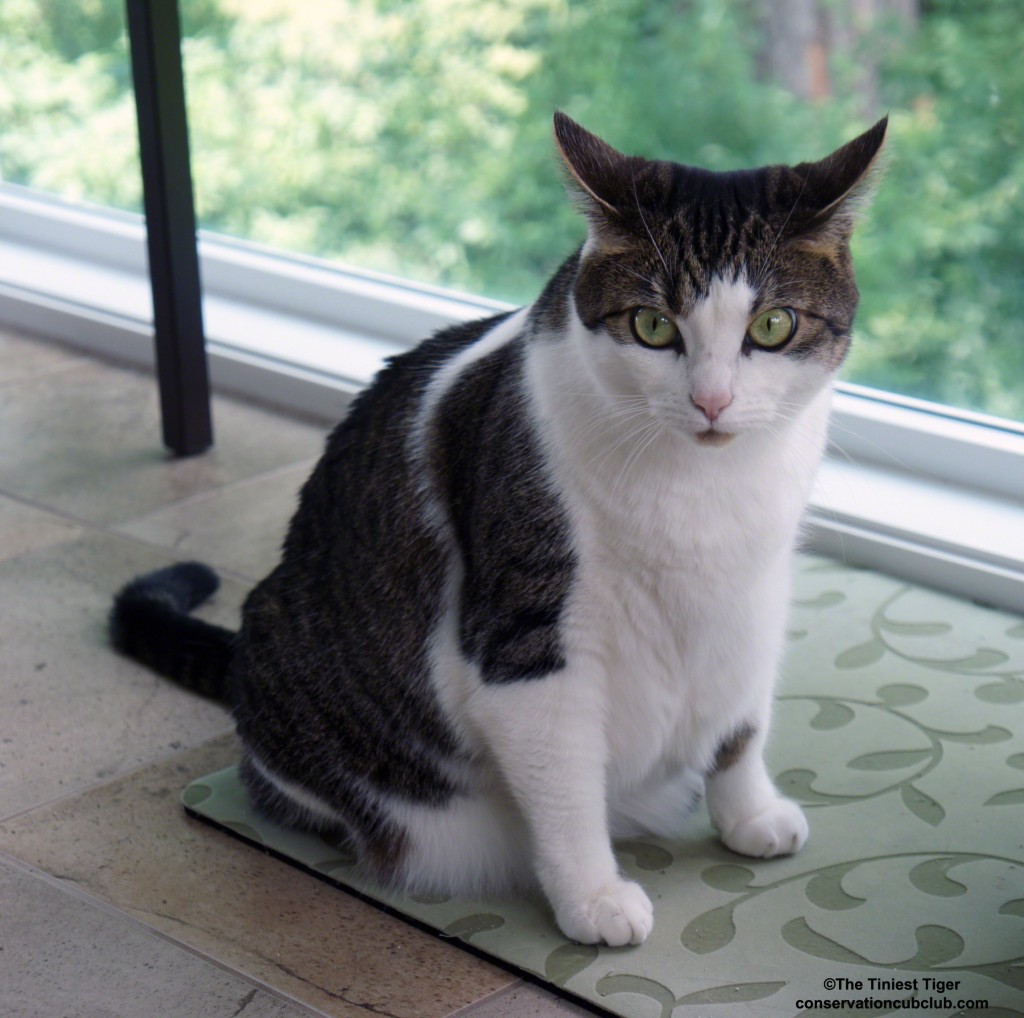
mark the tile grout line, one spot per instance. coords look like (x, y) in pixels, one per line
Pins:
(309, 462)
(91, 528)
(112, 779)
(71, 888)
(62, 514)
(495, 995)
(225, 572)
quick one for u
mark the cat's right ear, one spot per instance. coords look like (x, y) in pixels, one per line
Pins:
(599, 176)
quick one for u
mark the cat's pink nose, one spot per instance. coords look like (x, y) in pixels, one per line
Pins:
(712, 403)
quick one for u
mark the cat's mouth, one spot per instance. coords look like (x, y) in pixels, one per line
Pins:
(714, 438)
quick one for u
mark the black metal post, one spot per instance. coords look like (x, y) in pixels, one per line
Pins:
(155, 36)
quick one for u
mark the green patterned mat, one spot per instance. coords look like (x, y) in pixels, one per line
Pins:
(899, 726)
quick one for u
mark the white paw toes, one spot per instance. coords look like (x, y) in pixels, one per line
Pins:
(619, 913)
(779, 830)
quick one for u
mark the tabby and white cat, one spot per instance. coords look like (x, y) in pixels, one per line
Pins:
(535, 591)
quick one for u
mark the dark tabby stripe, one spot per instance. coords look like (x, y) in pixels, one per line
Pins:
(730, 749)
(511, 529)
(331, 679)
(367, 827)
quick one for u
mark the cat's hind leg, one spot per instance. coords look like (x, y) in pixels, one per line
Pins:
(662, 807)
(475, 844)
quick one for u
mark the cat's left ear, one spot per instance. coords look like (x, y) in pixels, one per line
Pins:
(839, 187)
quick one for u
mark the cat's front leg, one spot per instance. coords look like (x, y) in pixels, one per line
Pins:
(745, 807)
(547, 738)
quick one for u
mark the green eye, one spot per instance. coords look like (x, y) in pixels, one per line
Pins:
(652, 328)
(772, 328)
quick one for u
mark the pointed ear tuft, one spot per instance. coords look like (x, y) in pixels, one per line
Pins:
(839, 187)
(599, 174)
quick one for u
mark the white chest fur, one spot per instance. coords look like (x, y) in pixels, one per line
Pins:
(684, 553)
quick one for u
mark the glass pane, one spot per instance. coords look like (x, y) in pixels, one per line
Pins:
(67, 111)
(413, 137)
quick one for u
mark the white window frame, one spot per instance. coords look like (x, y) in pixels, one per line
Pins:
(915, 489)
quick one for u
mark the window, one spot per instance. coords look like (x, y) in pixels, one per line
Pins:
(67, 113)
(412, 137)
(404, 140)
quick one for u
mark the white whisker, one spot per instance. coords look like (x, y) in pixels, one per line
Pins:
(653, 431)
(654, 243)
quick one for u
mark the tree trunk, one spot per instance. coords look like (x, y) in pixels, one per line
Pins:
(825, 49)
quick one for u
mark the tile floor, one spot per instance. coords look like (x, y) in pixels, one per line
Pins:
(112, 902)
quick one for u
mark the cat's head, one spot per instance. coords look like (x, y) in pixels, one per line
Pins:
(725, 299)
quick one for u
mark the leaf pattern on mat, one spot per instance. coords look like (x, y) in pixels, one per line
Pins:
(936, 945)
(898, 768)
(728, 877)
(912, 640)
(899, 694)
(798, 934)
(329, 866)
(1008, 691)
(567, 961)
(825, 889)
(932, 877)
(867, 884)
(889, 760)
(468, 926)
(1013, 797)
(863, 655)
(922, 805)
(646, 855)
(640, 986)
(831, 714)
(196, 793)
(710, 931)
(246, 831)
(731, 993)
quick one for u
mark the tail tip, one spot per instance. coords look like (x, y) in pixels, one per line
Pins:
(199, 579)
(180, 587)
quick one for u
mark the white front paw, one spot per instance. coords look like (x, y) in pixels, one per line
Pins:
(619, 913)
(781, 829)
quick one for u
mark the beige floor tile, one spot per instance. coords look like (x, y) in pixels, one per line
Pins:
(24, 528)
(21, 356)
(63, 956)
(72, 712)
(87, 441)
(240, 527)
(130, 844)
(523, 1000)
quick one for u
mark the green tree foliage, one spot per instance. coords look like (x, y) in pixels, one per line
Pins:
(413, 137)
(940, 262)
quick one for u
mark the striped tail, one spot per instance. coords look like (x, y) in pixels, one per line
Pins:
(150, 623)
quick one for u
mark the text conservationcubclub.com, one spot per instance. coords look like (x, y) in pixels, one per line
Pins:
(936, 995)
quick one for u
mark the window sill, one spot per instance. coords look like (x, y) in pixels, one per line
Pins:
(931, 532)
(928, 496)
